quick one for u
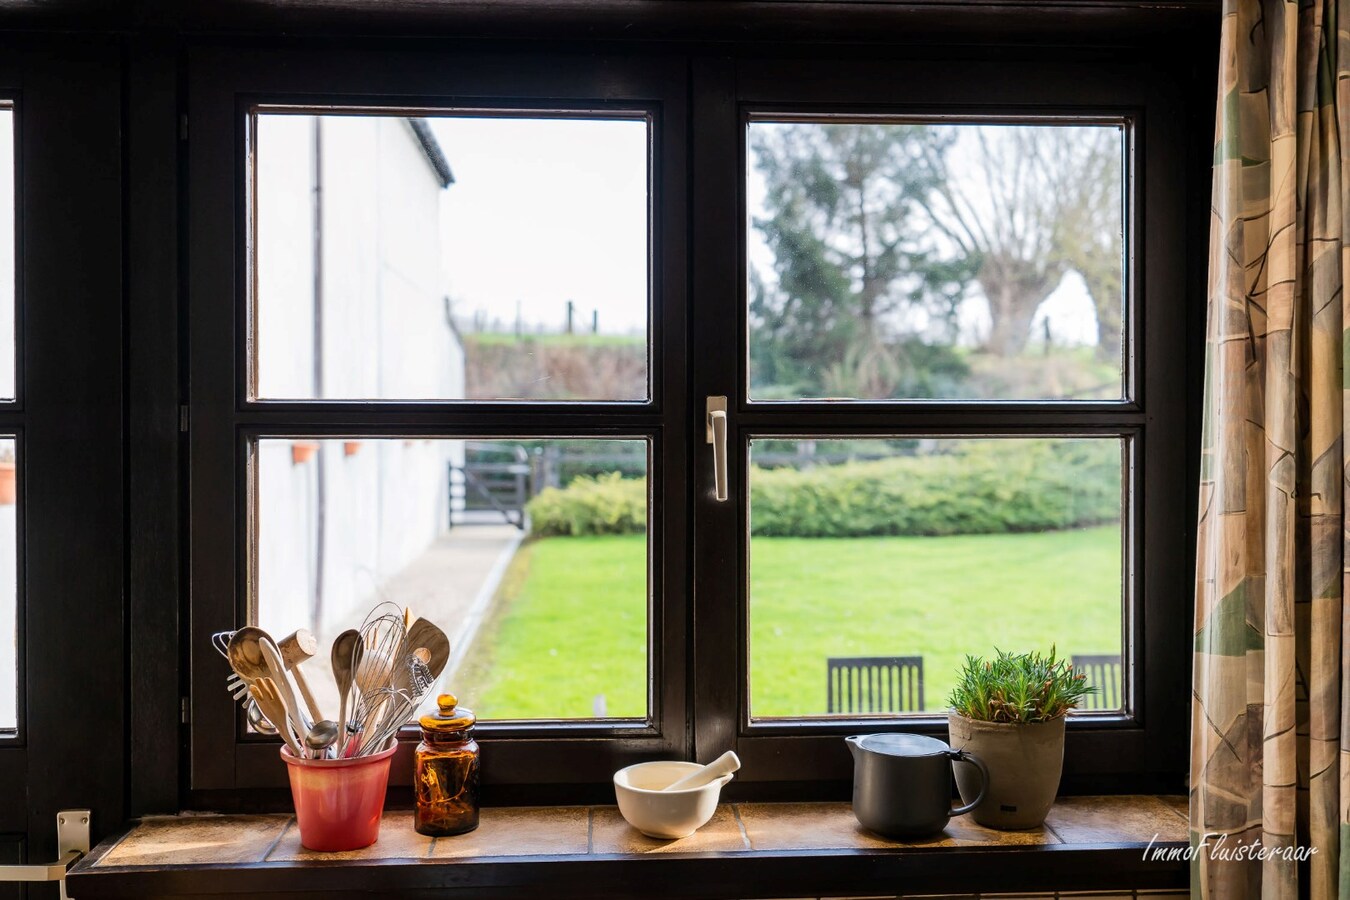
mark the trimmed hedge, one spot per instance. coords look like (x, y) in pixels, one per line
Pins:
(604, 504)
(983, 487)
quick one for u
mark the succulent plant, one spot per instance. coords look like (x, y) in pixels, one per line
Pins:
(1018, 688)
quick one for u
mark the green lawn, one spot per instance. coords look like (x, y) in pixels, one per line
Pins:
(571, 624)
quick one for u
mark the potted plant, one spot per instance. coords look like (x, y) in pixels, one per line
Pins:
(7, 489)
(1009, 711)
(303, 451)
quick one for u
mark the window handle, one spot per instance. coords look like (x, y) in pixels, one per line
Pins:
(717, 436)
(72, 843)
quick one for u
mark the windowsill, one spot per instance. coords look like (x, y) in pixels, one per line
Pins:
(747, 850)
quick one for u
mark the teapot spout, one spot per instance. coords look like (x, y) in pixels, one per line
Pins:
(852, 743)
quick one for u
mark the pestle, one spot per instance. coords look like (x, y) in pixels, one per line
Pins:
(724, 765)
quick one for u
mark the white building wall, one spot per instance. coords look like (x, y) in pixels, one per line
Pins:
(385, 335)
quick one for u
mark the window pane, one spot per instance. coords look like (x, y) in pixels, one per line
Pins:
(7, 245)
(9, 614)
(927, 549)
(903, 260)
(530, 554)
(450, 257)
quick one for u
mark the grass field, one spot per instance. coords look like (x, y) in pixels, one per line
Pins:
(571, 620)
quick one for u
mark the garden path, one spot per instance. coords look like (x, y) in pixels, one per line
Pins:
(451, 583)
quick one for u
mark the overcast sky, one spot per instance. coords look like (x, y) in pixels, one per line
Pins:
(546, 211)
(543, 211)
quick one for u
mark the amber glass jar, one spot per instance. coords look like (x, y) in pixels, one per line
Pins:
(446, 773)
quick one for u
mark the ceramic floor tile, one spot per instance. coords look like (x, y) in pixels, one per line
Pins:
(1110, 820)
(611, 834)
(963, 831)
(182, 840)
(806, 826)
(397, 840)
(521, 831)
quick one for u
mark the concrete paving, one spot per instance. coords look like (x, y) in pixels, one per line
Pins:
(452, 583)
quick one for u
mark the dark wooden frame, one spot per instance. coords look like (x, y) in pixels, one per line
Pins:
(106, 369)
(68, 420)
(1142, 750)
(223, 85)
(918, 869)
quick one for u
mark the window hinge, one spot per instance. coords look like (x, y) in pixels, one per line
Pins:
(183, 418)
(185, 710)
(182, 126)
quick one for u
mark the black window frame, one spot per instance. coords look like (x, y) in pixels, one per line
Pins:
(556, 758)
(698, 332)
(66, 418)
(1143, 748)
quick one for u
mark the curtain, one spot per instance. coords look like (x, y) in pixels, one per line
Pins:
(1269, 738)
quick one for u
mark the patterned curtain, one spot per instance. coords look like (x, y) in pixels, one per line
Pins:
(1269, 731)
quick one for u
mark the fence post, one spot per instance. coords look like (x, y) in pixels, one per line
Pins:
(552, 477)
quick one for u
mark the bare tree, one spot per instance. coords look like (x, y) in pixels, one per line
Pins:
(1092, 239)
(1017, 207)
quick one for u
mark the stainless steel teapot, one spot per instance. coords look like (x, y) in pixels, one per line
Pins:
(902, 783)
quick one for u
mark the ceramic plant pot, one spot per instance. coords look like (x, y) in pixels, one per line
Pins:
(7, 485)
(303, 451)
(1025, 762)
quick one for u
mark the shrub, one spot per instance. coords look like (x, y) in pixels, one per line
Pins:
(982, 487)
(605, 504)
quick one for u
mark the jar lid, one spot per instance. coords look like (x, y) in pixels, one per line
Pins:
(903, 744)
(449, 716)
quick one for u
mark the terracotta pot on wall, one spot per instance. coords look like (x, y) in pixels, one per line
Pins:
(351, 448)
(7, 487)
(1025, 762)
(303, 451)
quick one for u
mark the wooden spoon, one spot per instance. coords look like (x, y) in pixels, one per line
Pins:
(277, 671)
(425, 634)
(265, 694)
(245, 653)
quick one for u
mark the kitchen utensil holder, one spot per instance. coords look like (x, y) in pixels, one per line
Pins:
(338, 802)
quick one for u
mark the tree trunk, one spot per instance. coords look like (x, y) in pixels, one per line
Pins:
(1105, 289)
(1015, 291)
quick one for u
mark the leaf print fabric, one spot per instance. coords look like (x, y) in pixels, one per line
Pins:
(1270, 732)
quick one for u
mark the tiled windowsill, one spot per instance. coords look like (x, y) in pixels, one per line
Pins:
(747, 850)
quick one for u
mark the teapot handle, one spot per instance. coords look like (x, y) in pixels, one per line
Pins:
(963, 756)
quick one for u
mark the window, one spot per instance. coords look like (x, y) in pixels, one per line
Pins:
(9, 613)
(456, 332)
(380, 275)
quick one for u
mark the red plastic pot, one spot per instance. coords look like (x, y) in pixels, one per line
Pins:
(338, 802)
